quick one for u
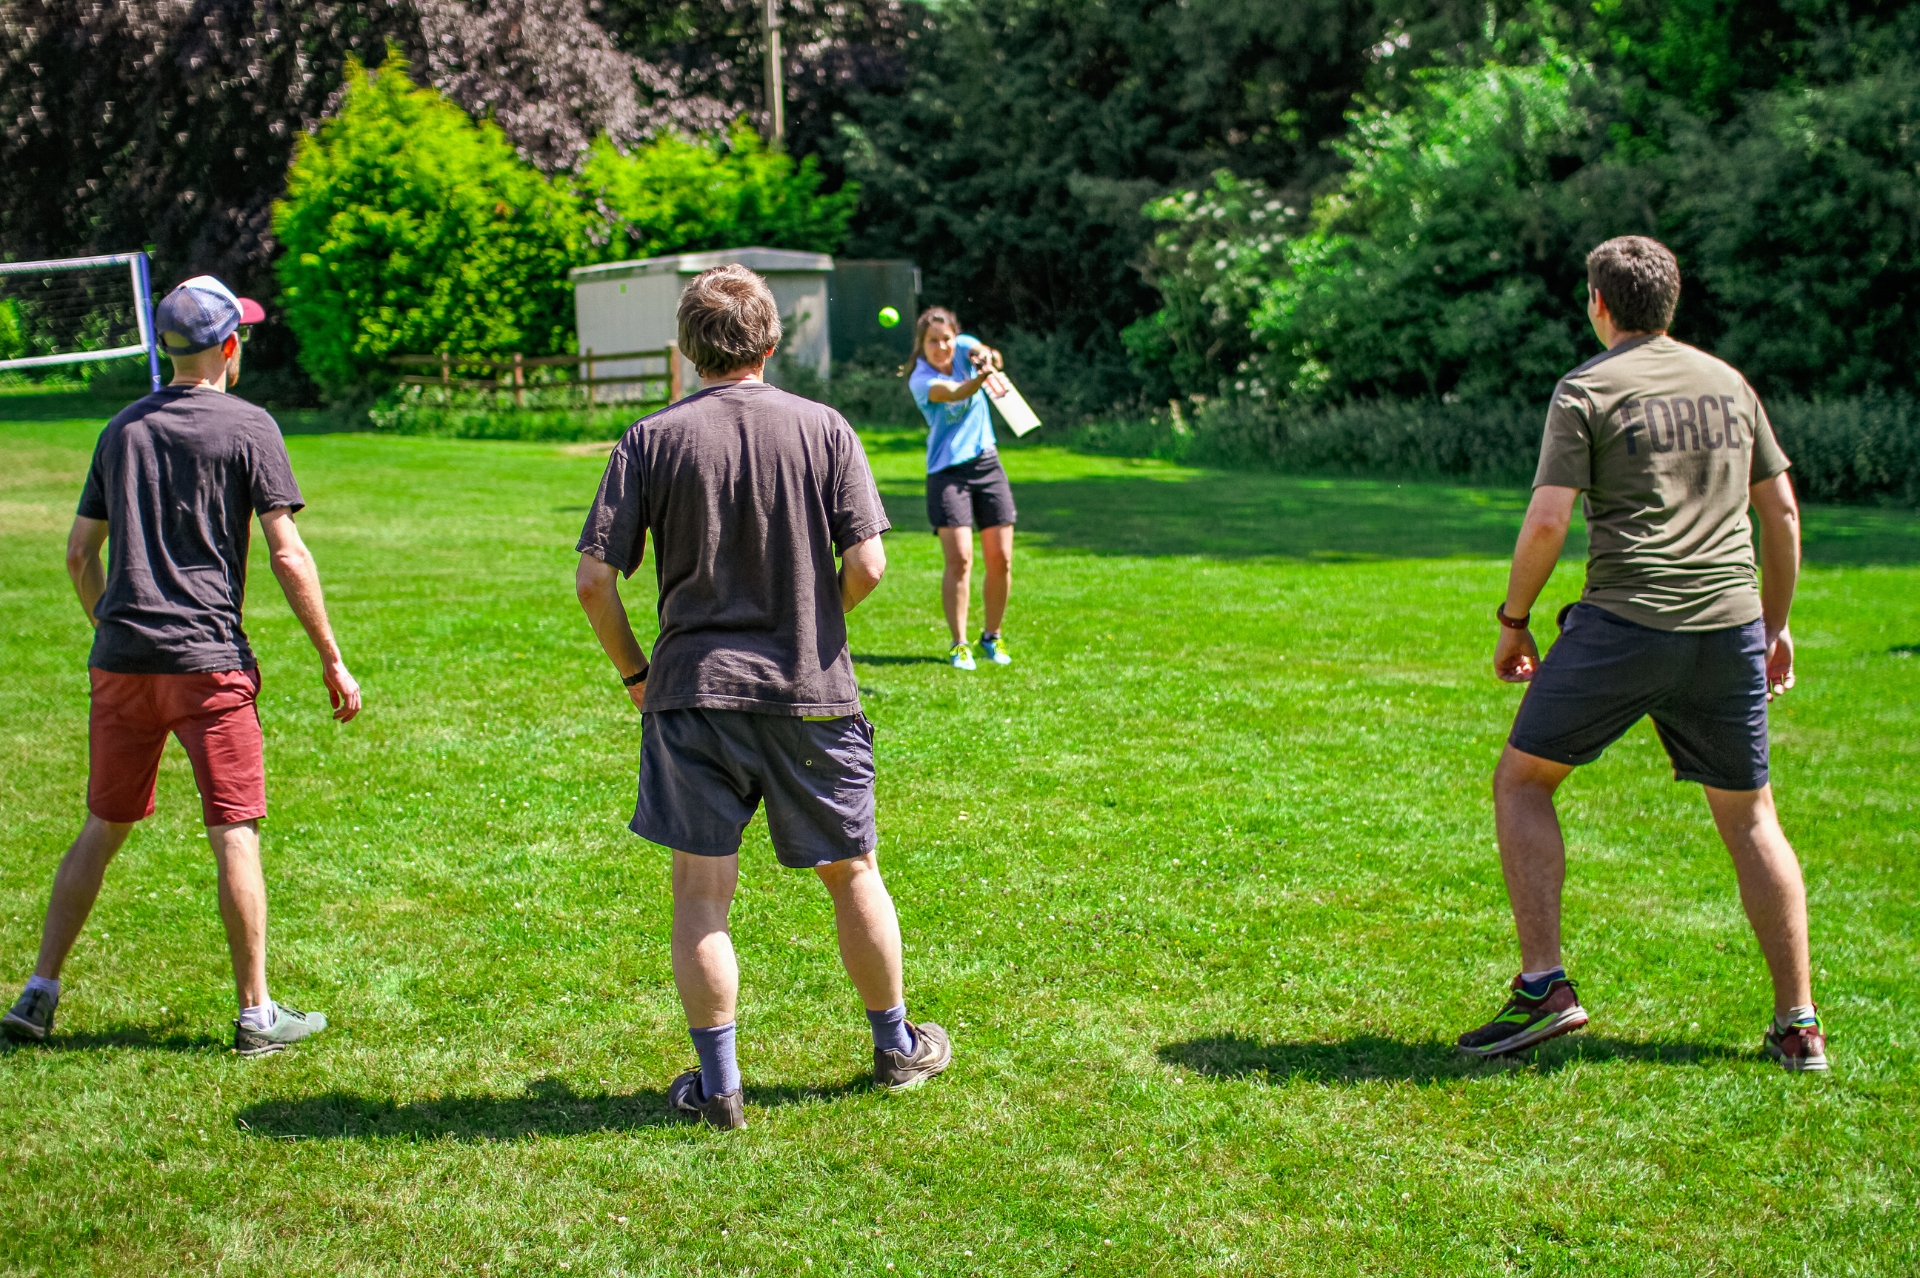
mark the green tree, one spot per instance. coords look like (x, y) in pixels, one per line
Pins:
(409, 228)
(1443, 263)
(679, 194)
(1798, 229)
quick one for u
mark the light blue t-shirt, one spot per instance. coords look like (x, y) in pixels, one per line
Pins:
(959, 431)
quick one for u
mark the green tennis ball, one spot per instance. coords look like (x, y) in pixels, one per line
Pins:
(888, 317)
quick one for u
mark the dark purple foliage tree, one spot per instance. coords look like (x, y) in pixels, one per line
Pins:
(170, 123)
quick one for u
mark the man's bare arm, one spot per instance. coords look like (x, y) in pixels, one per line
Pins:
(1779, 512)
(299, 579)
(83, 562)
(861, 567)
(597, 584)
(1542, 536)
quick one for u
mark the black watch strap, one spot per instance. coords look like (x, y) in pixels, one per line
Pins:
(633, 679)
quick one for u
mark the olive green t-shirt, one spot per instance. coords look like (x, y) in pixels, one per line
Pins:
(1664, 441)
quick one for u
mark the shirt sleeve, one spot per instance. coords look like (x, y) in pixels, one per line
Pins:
(857, 513)
(616, 528)
(1768, 458)
(919, 381)
(93, 494)
(270, 472)
(1566, 446)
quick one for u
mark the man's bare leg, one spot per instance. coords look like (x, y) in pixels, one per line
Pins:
(905, 1054)
(868, 928)
(704, 968)
(1533, 855)
(76, 886)
(956, 580)
(243, 906)
(708, 978)
(1771, 888)
(996, 548)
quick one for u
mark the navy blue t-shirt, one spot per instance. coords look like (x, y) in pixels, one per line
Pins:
(178, 477)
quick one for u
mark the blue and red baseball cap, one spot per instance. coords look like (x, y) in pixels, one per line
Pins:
(200, 314)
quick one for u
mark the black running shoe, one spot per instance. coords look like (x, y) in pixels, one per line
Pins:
(31, 1019)
(932, 1053)
(1526, 1020)
(724, 1111)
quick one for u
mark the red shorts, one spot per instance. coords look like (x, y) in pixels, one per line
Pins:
(214, 717)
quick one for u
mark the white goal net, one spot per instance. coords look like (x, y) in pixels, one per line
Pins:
(76, 309)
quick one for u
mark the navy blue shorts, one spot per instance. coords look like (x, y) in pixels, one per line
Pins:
(972, 494)
(704, 772)
(1706, 691)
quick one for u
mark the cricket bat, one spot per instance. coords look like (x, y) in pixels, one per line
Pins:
(1014, 410)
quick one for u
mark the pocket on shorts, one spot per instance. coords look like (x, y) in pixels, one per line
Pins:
(839, 749)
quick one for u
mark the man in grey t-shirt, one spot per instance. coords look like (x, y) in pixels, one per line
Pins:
(748, 493)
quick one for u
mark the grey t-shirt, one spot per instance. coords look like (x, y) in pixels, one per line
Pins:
(178, 477)
(749, 493)
(1664, 440)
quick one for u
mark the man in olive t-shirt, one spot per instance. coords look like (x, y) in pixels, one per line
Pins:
(1669, 448)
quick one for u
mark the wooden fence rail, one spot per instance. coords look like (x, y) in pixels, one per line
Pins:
(509, 371)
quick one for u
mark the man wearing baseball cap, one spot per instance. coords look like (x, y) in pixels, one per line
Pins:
(176, 480)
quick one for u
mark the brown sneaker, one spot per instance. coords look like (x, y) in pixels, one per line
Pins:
(932, 1053)
(724, 1111)
(1800, 1048)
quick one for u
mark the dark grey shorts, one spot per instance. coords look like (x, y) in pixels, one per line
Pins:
(1706, 691)
(704, 772)
(973, 494)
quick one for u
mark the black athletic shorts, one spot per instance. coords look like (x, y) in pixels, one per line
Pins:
(704, 772)
(973, 494)
(1706, 691)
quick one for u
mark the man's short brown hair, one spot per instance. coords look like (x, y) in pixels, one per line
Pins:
(728, 320)
(1640, 280)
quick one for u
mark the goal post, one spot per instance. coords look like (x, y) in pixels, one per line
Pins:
(74, 310)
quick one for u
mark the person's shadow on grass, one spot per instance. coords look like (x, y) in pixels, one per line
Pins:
(1368, 1057)
(548, 1107)
(136, 1038)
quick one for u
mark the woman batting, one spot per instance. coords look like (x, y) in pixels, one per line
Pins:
(966, 486)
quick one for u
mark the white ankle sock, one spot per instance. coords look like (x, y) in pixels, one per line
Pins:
(42, 983)
(259, 1018)
(1781, 1023)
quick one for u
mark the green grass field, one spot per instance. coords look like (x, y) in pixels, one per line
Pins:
(1204, 886)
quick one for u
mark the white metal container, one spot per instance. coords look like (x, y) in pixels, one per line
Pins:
(630, 306)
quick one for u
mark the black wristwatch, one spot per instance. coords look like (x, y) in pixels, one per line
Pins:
(635, 679)
(1511, 623)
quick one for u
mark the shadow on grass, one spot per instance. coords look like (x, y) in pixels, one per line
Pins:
(137, 1038)
(61, 405)
(1253, 515)
(1246, 515)
(548, 1107)
(869, 659)
(1370, 1057)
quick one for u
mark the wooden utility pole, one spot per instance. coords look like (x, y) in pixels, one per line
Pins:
(775, 78)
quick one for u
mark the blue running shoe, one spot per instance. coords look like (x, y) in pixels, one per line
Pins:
(995, 650)
(961, 656)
